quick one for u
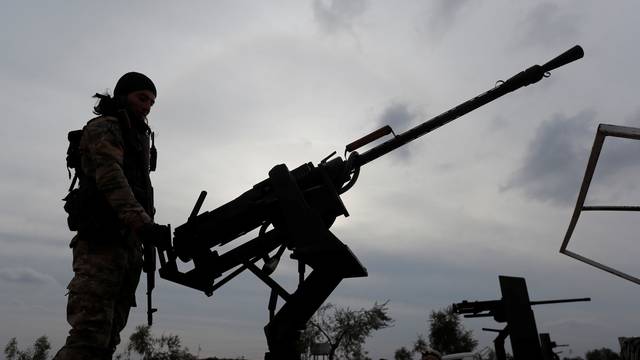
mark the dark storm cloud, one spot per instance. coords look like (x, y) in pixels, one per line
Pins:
(549, 25)
(24, 276)
(555, 160)
(400, 118)
(334, 16)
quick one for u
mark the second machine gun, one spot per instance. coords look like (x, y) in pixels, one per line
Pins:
(514, 308)
(294, 209)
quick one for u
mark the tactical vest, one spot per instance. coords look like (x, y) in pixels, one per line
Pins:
(88, 209)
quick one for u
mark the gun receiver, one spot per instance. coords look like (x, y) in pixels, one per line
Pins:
(294, 209)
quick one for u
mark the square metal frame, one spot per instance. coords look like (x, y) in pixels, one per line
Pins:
(604, 130)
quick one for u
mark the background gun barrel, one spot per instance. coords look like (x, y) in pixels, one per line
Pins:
(475, 307)
(524, 78)
(558, 301)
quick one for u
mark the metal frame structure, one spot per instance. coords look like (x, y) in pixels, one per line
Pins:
(604, 130)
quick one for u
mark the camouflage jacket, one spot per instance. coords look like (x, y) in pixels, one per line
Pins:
(116, 164)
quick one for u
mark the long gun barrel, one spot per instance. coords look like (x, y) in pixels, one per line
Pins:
(543, 302)
(492, 307)
(527, 77)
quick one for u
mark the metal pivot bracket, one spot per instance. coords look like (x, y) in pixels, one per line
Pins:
(604, 130)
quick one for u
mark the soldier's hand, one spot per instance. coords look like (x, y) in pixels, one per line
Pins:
(156, 235)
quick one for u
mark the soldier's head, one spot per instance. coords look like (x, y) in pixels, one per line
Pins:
(138, 92)
(134, 92)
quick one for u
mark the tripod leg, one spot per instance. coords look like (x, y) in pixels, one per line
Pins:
(283, 331)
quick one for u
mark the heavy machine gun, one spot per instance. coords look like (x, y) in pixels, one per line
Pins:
(294, 209)
(514, 309)
(497, 309)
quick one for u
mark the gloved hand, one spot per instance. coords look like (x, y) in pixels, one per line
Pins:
(156, 235)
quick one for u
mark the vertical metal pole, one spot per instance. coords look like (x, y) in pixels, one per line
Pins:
(523, 332)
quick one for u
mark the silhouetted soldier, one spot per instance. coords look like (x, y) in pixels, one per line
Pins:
(112, 210)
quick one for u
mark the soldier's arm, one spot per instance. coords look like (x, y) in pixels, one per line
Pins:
(106, 146)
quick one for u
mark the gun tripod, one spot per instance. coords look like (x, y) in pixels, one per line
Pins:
(296, 226)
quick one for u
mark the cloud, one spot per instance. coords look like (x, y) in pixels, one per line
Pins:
(546, 24)
(25, 276)
(400, 117)
(443, 15)
(240, 84)
(555, 160)
(337, 16)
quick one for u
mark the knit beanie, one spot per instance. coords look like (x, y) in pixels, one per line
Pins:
(133, 81)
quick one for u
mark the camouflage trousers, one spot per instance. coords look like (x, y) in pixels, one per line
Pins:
(101, 294)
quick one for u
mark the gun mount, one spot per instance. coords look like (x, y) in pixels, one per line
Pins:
(294, 209)
(514, 308)
(547, 347)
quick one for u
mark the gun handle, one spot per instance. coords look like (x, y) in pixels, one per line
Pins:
(196, 208)
(386, 130)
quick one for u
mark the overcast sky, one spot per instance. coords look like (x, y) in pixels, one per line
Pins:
(245, 85)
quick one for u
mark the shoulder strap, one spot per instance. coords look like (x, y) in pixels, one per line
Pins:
(125, 128)
(127, 136)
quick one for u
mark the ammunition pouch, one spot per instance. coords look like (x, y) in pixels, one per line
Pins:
(73, 151)
(89, 213)
(73, 207)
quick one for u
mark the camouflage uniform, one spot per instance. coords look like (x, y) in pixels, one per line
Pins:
(116, 194)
